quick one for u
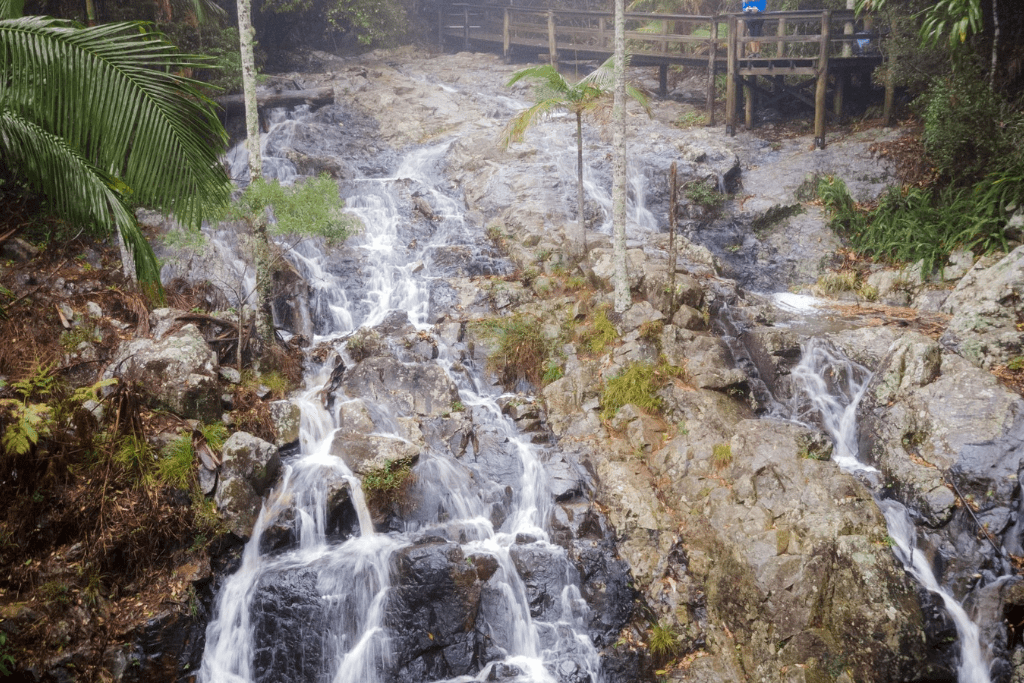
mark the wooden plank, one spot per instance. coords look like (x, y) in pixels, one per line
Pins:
(552, 43)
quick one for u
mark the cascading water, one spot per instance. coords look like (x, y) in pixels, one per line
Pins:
(830, 387)
(347, 635)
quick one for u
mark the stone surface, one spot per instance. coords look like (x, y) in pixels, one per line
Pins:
(176, 373)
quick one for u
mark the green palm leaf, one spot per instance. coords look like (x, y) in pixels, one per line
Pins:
(79, 191)
(110, 94)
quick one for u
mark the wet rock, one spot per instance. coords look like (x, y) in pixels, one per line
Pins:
(176, 373)
(432, 613)
(249, 467)
(987, 306)
(287, 418)
(288, 612)
(405, 389)
(920, 425)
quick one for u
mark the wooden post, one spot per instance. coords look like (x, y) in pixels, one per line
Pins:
(712, 67)
(663, 79)
(741, 30)
(465, 28)
(730, 83)
(506, 36)
(837, 96)
(748, 98)
(822, 85)
(552, 44)
(780, 47)
(602, 29)
(440, 27)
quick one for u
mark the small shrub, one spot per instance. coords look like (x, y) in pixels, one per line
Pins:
(521, 352)
(599, 333)
(387, 484)
(552, 371)
(700, 193)
(636, 384)
(6, 658)
(174, 468)
(721, 455)
(576, 283)
(663, 642)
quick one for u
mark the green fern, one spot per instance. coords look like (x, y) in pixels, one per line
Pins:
(29, 422)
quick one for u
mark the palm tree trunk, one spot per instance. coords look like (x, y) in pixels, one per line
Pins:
(581, 244)
(620, 279)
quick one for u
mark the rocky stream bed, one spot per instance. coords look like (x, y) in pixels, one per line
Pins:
(731, 518)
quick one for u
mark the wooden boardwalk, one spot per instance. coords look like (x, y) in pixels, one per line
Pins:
(794, 53)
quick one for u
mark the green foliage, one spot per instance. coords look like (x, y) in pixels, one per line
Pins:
(311, 208)
(721, 455)
(215, 434)
(552, 371)
(29, 421)
(6, 658)
(690, 119)
(836, 282)
(521, 349)
(925, 224)
(113, 127)
(598, 333)
(134, 456)
(174, 468)
(637, 384)
(700, 193)
(40, 384)
(387, 484)
(381, 23)
(962, 124)
(663, 642)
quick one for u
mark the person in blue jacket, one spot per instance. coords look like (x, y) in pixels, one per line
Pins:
(754, 26)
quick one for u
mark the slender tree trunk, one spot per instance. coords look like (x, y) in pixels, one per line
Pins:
(90, 12)
(674, 194)
(581, 243)
(621, 276)
(261, 243)
(252, 121)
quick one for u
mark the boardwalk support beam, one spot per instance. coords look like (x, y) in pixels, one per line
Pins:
(822, 85)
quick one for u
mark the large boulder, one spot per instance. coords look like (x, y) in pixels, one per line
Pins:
(987, 307)
(406, 389)
(176, 372)
(249, 468)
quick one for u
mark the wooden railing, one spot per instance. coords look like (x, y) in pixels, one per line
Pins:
(799, 43)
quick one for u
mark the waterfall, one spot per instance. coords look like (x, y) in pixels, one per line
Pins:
(830, 386)
(349, 637)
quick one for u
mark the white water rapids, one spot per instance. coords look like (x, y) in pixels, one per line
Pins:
(834, 385)
(354, 576)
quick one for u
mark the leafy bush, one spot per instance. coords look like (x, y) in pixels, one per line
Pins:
(961, 131)
(636, 384)
(522, 351)
(312, 208)
(598, 333)
(387, 484)
(916, 224)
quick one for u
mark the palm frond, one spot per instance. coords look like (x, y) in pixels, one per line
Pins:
(80, 191)
(111, 92)
(204, 10)
(517, 126)
(546, 74)
(10, 9)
